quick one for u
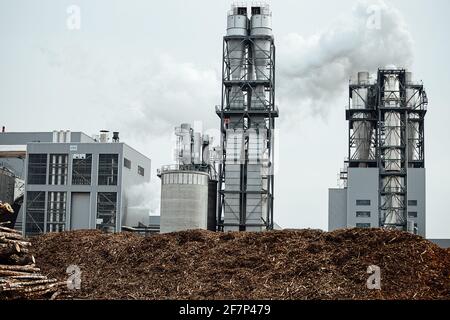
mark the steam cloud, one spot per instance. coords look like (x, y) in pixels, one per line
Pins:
(314, 71)
(145, 196)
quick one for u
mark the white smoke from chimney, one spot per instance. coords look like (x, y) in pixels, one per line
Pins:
(313, 72)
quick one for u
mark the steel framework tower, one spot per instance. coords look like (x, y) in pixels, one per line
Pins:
(247, 116)
(402, 106)
(385, 169)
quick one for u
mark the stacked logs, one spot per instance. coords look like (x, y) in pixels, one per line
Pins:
(19, 276)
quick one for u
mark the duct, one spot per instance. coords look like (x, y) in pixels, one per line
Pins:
(197, 148)
(205, 150)
(413, 141)
(184, 144)
(233, 182)
(363, 128)
(412, 102)
(261, 25)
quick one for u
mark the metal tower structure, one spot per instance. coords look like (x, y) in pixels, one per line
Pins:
(386, 131)
(247, 116)
(402, 106)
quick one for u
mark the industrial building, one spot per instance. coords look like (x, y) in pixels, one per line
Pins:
(247, 121)
(383, 182)
(74, 181)
(189, 187)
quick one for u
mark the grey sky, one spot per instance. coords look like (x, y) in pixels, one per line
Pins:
(143, 67)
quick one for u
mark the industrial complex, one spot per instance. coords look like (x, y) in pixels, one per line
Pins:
(75, 220)
(69, 180)
(384, 176)
(66, 180)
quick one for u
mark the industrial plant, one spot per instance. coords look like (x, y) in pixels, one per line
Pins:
(64, 180)
(384, 176)
(71, 227)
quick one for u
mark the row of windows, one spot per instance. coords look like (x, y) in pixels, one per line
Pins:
(367, 202)
(184, 178)
(81, 169)
(367, 214)
(363, 225)
(38, 220)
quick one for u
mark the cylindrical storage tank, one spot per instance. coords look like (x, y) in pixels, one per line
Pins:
(237, 26)
(212, 204)
(184, 200)
(237, 22)
(260, 26)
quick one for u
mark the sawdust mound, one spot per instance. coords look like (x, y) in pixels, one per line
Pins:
(295, 264)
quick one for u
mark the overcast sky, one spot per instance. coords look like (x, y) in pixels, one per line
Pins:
(143, 67)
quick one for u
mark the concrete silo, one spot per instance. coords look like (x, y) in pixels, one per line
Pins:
(189, 187)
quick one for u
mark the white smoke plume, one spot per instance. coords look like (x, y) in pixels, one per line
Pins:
(314, 71)
(145, 196)
(146, 95)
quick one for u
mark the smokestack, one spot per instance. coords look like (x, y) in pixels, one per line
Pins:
(3, 129)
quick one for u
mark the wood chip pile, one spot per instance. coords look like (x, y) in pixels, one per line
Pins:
(19, 276)
(297, 264)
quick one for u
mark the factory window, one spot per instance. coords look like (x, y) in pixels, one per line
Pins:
(363, 225)
(56, 212)
(37, 168)
(363, 202)
(107, 169)
(412, 214)
(127, 163)
(35, 213)
(57, 171)
(81, 169)
(141, 171)
(106, 210)
(363, 214)
(412, 203)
